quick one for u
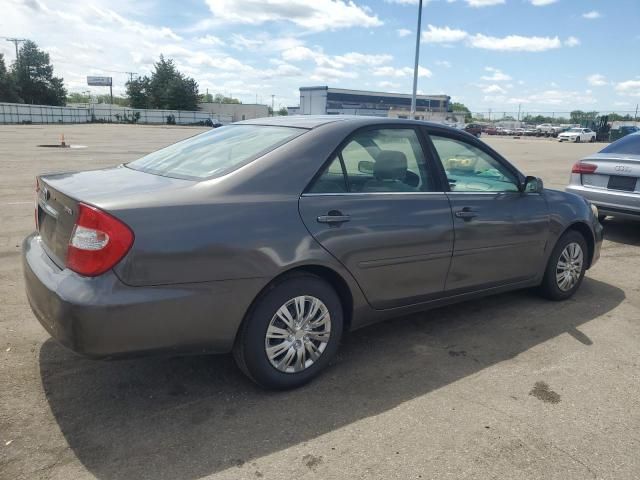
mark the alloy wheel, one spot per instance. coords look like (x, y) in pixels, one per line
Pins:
(298, 334)
(569, 266)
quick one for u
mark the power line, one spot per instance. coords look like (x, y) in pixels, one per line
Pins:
(15, 41)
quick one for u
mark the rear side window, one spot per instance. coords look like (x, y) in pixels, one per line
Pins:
(215, 153)
(629, 145)
(377, 161)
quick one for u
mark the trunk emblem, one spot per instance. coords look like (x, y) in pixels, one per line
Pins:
(623, 168)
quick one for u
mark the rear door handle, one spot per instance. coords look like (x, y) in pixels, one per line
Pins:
(334, 218)
(466, 213)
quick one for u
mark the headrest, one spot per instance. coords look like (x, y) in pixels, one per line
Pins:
(390, 165)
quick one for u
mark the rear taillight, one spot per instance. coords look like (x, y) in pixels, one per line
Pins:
(582, 167)
(36, 203)
(98, 242)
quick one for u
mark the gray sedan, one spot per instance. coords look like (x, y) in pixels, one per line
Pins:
(610, 179)
(270, 238)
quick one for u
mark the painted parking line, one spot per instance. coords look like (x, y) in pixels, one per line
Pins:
(17, 203)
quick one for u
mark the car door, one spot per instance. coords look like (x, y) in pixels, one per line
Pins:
(500, 232)
(379, 208)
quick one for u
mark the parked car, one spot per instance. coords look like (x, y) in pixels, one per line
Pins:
(490, 130)
(609, 179)
(474, 129)
(273, 236)
(577, 135)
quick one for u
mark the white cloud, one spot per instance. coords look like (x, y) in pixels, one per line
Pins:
(355, 58)
(443, 63)
(597, 80)
(494, 89)
(403, 2)
(389, 71)
(264, 42)
(515, 43)
(388, 85)
(299, 53)
(545, 99)
(316, 16)
(403, 32)
(329, 74)
(592, 15)
(496, 75)
(443, 35)
(484, 3)
(542, 3)
(572, 42)
(629, 87)
(210, 40)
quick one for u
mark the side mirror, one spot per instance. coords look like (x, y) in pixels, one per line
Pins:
(365, 166)
(532, 185)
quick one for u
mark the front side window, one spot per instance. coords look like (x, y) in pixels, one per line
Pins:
(379, 160)
(216, 152)
(469, 169)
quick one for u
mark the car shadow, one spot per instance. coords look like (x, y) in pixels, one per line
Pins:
(189, 417)
(622, 231)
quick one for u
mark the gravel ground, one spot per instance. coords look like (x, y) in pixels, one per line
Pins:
(511, 386)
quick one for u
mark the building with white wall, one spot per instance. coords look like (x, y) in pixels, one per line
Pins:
(236, 111)
(323, 100)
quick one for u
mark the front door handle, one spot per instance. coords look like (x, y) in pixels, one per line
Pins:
(334, 217)
(466, 213)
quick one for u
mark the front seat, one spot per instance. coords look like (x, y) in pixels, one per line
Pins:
(389, 173)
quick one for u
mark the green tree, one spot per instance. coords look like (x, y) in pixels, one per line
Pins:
(461, 107)
(166, 88)
(33, 74)
(206, 98)
(8, 90)
(219, 98)
(138, 92)
(283, 111)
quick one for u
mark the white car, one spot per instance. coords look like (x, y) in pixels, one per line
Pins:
(578, 135)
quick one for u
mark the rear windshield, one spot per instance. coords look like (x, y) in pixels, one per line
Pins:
(629, 145)
(216, 152)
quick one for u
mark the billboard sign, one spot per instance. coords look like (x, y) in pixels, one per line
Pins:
(99, 81)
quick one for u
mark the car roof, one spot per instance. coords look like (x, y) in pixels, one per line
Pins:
(313, 121)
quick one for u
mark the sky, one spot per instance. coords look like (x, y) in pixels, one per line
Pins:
(537, 55)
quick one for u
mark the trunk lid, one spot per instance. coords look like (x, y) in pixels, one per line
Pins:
(615, 172)
(59, 195)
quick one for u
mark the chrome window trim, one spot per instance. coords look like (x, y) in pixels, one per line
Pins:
(342, 194)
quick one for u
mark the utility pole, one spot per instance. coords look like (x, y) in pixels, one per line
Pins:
(131, 74)
(415, 67)
(635, 118)
(519, 107)
(15, 41)
(273, 114)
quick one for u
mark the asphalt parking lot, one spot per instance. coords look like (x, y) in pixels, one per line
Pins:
(511, 386)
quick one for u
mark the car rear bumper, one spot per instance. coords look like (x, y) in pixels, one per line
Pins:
(103, 317)
(609, 202)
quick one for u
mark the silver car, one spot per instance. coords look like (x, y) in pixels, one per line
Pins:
(609, 179)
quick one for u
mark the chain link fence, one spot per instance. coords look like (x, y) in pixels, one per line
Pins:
(17, 113)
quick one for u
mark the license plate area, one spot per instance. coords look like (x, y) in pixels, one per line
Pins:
(625, 184)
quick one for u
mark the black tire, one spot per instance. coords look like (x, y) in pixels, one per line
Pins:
(593, 140)
(578, 139)
(250, 349)
(549, 287)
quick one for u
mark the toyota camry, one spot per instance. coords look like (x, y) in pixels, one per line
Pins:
(270, 238)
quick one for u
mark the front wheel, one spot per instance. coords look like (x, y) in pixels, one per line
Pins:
(566, 267)
(578, 139)
(593, 139)
(291, 334)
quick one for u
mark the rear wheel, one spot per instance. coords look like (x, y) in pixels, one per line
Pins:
(593, 139)
(291, 333)
(578, 139)
(566, 267)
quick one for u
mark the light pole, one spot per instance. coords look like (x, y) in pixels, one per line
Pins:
(415, 67)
